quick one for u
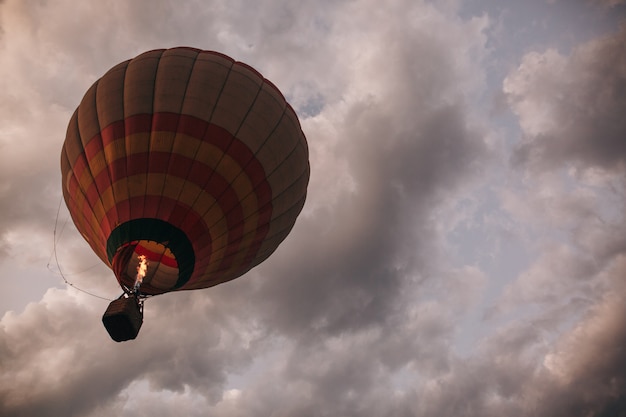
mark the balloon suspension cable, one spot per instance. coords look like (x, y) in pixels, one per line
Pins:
(54, 254)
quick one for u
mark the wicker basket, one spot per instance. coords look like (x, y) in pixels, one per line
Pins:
(123, 319)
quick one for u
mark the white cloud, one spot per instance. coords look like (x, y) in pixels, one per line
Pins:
(570, 107)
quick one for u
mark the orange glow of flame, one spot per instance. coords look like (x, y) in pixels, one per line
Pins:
(142, 268)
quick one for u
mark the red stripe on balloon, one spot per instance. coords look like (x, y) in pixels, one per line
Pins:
(184, 124)
(139, 123)
(152, 256)
(93, 146)
(199, 174)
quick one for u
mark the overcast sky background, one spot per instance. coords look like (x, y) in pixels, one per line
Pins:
(462, 251)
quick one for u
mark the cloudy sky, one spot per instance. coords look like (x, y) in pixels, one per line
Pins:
(462, 251)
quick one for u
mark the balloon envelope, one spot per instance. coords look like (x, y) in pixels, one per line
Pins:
(188, 158)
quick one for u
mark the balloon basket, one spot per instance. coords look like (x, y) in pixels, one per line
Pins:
(123, 318)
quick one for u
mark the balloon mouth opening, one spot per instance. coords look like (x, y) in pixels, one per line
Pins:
(146, 266)
(151, 252)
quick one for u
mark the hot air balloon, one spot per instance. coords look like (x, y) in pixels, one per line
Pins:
(182, 169)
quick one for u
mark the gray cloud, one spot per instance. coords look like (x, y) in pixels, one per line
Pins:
(571, 106)
(608, 3)
(402, 143)
(359, 311)
(588, 363)
(58, 360)
(353, 275)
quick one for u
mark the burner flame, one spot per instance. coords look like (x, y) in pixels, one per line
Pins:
(142, 268)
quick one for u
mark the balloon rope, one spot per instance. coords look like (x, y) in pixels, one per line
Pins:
(56, 258)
